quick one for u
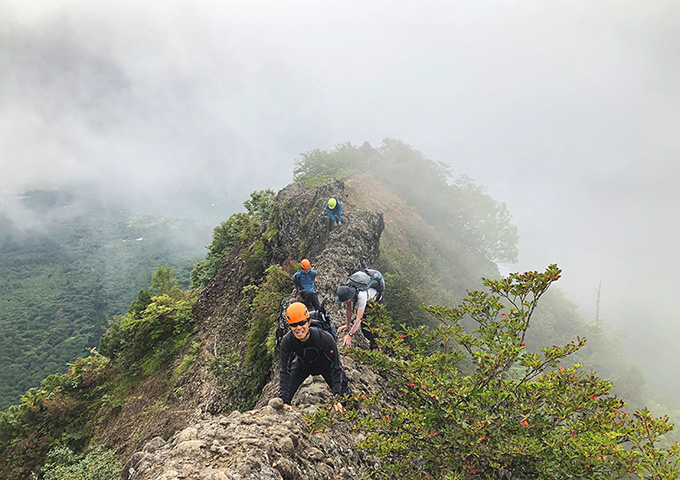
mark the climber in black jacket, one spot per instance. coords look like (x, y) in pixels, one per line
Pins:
(309, 351)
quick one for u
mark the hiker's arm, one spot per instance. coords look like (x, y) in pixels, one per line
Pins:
(329, 212)
(348, 318)
(347, 339)
(337, 374)
(284, 373)
(357, 322)
(362, 301)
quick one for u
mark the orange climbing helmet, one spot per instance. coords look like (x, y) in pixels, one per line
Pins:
(305, 264)
(297, 312)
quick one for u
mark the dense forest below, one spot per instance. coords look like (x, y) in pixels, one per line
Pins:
(69, 265)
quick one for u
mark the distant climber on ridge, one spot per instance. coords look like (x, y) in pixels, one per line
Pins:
(309, 351)
(362, 287)
(334, 211)
(304, 281)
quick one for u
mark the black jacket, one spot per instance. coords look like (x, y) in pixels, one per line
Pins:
(318, 353)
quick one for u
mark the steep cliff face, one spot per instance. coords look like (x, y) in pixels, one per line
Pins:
(193, 436)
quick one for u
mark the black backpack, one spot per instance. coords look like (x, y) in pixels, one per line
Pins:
(321, 319)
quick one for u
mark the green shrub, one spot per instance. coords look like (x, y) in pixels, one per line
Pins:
(64, 464)
(141, 342)
(57, 413)
(187, 361)
(516, 414)
(242, 380)
(239, 228)
(317, 167)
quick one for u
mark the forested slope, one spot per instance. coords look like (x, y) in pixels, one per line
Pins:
(69, 264)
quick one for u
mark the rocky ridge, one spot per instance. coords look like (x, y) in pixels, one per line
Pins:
(267, 442)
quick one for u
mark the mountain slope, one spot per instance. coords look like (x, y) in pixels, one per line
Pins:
(297, 228)
(67, 269)
(265, 441)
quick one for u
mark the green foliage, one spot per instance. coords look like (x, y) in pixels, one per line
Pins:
(426, 272)
(450, 234)
(66, 274)
(62, 463)
(225, 236)
(264, 311)
(165, 283)
(483, 222)
(253, 259)
(57, 413)
(317, 167)
(233, 379)
(557, 321)
(139, 305)
(68, 407)
(260, 204)
(404, 300)
(461, 210)
(515, 414)
(238, 228)
(242, 379)
(187, 361)
(143, 341)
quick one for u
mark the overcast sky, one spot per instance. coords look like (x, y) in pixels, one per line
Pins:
(567, 111)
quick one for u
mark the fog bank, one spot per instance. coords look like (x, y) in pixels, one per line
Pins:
(566, 111)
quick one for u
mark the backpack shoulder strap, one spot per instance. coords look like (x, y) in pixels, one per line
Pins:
(296, 280)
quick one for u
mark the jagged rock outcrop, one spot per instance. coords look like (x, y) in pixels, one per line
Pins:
(301, 230)
(269, 442)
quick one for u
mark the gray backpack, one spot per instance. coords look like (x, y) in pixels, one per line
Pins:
(365, 279)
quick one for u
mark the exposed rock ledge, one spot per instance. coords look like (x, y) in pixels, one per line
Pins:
(267, 443)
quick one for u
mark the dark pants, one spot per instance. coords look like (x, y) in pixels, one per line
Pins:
(331, 224)
(310, 299)
(367, 325)
(298, 374)
(367, 330)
